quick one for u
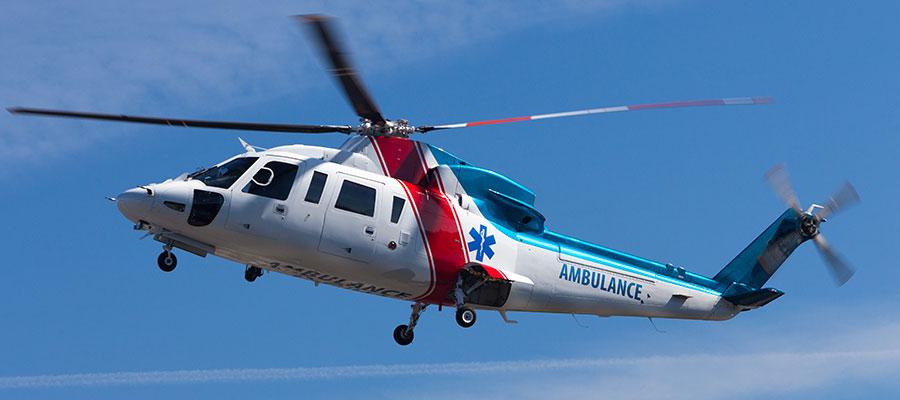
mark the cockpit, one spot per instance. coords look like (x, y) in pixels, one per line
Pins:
(223, 176)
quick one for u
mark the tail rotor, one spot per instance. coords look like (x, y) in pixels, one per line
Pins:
(812, 218)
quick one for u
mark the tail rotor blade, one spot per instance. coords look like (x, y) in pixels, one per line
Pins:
(842, 198)
(778, 178)
(841, 271)
(334, 51)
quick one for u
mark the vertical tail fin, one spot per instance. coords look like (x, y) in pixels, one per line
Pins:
(753, 267)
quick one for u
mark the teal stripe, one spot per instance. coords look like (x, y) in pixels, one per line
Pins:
(555, 246)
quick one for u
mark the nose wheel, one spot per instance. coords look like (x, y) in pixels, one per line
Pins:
(167, 260)
(251, 273)
(403, 334)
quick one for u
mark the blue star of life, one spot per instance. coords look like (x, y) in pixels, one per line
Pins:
(481, 243)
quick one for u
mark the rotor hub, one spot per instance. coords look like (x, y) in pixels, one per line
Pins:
(398, 128)
(809, 225)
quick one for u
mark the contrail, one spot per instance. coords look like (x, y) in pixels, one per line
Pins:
(408, 370)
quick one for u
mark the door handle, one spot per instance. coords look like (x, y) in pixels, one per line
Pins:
(370, 230)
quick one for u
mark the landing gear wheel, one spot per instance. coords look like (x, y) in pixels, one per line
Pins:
(402, 335)
(167, 261)
(465, 317)
(251, 273)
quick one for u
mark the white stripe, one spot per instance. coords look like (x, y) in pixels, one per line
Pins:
(432, 284)
(451, 126)
(379, 156)
(582, 112)
(738, 100)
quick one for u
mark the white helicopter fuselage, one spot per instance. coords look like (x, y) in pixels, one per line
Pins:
(393, 217)
(352, 219)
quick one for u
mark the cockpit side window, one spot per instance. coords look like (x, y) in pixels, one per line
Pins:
(397, 209)
(226, 174)
(275, 181)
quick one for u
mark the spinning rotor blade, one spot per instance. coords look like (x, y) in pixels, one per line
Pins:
(778, 178)
(187, 123)
(343, 71)
(840, 270)
(650, 106)
(842, 198)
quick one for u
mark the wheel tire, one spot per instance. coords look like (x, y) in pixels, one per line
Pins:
(465, 317)
(167, 261)
(250, 274)
(402, 336)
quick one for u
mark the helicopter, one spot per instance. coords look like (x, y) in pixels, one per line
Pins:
(390, 216)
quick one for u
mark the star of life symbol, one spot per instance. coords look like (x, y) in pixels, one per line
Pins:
(481, 243)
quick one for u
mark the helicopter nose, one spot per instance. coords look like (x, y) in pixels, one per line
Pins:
(135, 203)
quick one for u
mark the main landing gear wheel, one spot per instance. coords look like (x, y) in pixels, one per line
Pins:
(251, 273)
(465, 317)
(167, 261)
(403, 335)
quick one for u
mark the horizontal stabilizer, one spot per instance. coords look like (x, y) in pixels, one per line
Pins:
(754, 298)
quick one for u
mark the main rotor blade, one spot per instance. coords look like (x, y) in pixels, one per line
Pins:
(187, 123)
(675, 104)
(778, 178)
(343, 71)
(840, 270)
(842, 198)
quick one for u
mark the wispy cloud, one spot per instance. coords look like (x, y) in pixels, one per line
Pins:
(735, 373)
(198, 58)
(826, 361)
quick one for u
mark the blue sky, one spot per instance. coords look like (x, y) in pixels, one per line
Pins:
(81, 294)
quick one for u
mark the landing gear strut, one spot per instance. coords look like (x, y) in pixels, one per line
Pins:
(465, 316)
(403, 334)
(167, 260)
(251, 273)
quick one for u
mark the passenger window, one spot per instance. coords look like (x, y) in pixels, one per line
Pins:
(316, 186)
(356, 198)
(276, 184)
(397, 209)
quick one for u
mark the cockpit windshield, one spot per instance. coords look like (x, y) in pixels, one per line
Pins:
(226, 174)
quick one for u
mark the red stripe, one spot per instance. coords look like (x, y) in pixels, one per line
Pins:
(440, 182)
(404, 160)
(497, 121)
(422, 230)
(443, 236)
(412, 204)
(401, 159)
(494, 272)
